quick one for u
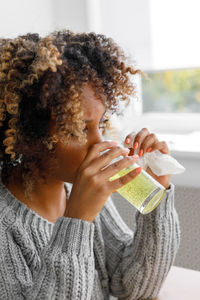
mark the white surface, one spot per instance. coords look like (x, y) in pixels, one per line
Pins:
(69, 14)
(175, 123)
(174, 33)
(20, 17)
(157, 34)
(183, 142)
(128, 22)
(181, 284)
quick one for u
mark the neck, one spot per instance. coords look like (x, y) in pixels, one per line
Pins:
(48, 199)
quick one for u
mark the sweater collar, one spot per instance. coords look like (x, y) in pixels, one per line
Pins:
(16, 204)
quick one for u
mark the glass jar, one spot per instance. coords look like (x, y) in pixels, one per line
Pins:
(143, 192)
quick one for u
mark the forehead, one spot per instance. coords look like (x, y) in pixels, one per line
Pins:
(92, 103)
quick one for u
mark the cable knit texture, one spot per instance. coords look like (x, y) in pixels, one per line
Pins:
(76, 259)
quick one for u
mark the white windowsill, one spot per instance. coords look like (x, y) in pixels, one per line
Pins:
(175, 123)
(180, 131)
(183, 145)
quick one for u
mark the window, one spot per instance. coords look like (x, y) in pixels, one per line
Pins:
(173, 91)
(161, 38)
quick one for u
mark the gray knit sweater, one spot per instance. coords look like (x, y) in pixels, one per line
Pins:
(76, 259)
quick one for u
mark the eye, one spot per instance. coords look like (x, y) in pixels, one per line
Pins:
(101, 126)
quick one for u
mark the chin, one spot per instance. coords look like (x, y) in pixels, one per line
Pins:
(67, 179)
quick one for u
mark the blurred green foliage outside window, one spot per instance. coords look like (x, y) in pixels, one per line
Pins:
(176, 91)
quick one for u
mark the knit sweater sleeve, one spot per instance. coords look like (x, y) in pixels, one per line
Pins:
(138, 263)
(66, 269)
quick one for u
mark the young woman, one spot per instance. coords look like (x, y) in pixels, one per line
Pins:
(56, 95)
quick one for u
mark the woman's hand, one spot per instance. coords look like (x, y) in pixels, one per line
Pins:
(92, 187)
(145, 141)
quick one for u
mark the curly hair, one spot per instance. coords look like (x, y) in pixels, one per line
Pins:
(44, 77)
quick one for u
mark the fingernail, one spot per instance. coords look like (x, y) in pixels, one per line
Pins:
(138, 170)
(149, 149)
(128, 140)
(141, 152)
(127, 150)
(114, 142)
(135, 156)
(135, 146)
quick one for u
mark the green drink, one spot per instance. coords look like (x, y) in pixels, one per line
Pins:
(143, 192)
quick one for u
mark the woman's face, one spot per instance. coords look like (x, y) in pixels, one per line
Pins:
(70, 156)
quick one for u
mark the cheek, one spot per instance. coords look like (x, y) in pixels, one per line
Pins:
(70, 157)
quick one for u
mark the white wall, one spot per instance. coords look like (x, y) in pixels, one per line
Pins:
(128, 22)
(191, 177)
(158, 34)
(175, 33)
(42, 16)
(22, 16)
(70, 14)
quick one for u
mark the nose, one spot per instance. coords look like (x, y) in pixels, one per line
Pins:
(97, 138)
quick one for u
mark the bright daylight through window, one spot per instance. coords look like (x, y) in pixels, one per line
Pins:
(175, 91)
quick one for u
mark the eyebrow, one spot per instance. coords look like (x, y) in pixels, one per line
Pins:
(89, 121)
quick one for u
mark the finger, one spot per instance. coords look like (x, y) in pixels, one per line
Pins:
(115, 167)
(130, 138)
(161, 146)
(139, 138)
(95, 149)
(147, 142)
(103, 160)
(117, 183)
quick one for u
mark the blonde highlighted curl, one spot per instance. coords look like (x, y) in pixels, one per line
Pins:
(41, 78)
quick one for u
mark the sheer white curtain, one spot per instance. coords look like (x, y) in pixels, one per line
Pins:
(175, 39)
